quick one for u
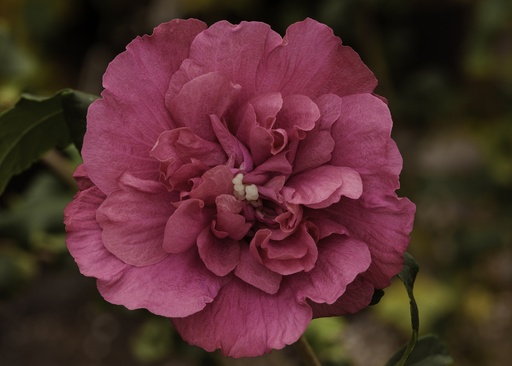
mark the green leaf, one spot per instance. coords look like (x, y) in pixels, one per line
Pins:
(429, 351)
(35, 125)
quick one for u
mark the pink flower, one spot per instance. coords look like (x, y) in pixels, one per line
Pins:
(239, 183)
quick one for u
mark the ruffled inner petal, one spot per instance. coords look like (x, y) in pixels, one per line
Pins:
(323, 186)
(298, 114)
(220, 256)
(295, 253)
(208, 94)
(185, 224)
(256, 274)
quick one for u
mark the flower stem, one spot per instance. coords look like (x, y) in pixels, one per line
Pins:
(305, 352)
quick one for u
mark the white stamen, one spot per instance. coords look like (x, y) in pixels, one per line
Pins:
(251, 192)
(243, 191)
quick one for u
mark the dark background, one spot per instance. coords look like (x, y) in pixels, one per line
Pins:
(446, 69)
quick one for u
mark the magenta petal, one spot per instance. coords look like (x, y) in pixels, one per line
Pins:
(265, 143)
(313, 151)
(233, 224)
(185, 224)
(246, 322)
(177, 286)
(363, 142)
(325, 223)
(233, 148)
(340, 260)
(311, 61)
(83, 236)
(228, 203)
(256, 274)
(235, 51)
(133, 221)
(123, 127)
(201, 97)
(357, 296)
(387, 237)
(220, 256)
(82, 179)
(299, 113)
(322, 186)
(266, 106)
(295, 253)
(214, 182)
(182, 144)
(316, 148)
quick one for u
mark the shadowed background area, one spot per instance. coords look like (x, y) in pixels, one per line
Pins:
(446, 70)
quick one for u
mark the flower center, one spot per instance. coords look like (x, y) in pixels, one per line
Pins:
(242, 191)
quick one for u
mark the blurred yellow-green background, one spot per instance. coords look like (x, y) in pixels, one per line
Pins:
(446, 69)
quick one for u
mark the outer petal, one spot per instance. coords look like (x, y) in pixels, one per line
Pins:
(387, 237)
(235, 51)
(124, 125)
(245, 322)
(83, 237)
(177, 286)
(311, 61)
(340, 260)
(357, 296)
(363, 142)
(133, 223)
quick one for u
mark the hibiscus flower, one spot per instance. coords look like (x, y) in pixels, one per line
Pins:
(239, 183)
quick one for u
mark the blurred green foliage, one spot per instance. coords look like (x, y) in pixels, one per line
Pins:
(446, 69)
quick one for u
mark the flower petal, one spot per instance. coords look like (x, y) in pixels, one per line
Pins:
(234, 225)
(256, 274)
(299, 114)
(220, 256)
(363, 142)
(311, 61)
(133, 221)
(340, 260)
(235, 50)
(315, 149)
(233, 148)
(357, 296)
(387, 237)
(124, 125)
(214, 182)
(208, 94)
(184, 145)
(83, 237)
(185, 224)
(295, 253)
(245, 322)
(322, 186)
(177, 286)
